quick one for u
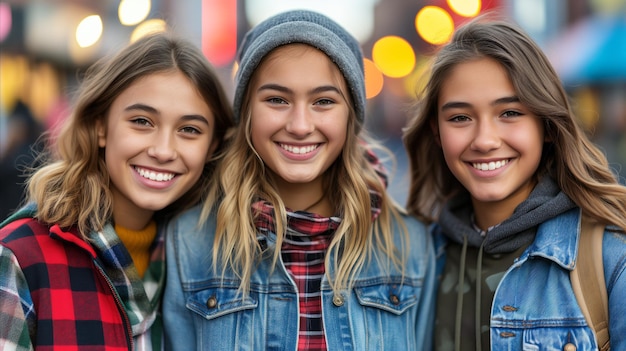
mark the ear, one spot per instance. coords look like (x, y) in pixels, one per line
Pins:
(434, 127)
(101, 131)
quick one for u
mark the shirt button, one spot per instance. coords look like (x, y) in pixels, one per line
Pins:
(394, 300)
(569, 347)
(338, 300)
(211, 302)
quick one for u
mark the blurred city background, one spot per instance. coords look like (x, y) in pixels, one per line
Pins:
(45, 46)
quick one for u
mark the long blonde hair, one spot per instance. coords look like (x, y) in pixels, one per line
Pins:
(347, 182)
(72, 188)
(577, 165)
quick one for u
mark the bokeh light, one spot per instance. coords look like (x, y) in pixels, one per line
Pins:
(394, 56)
(373, 79)
(148, 27)
(5, 20)
(14, 71)
(356, 16)
(131, 12)
(434, 25)
(416, 81)
(465, 8)
(89, 31)
(219, 31)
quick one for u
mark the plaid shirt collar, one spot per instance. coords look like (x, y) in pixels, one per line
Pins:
(141, 297)
(301, 221)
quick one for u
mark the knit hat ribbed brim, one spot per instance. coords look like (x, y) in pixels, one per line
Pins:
(306, 27)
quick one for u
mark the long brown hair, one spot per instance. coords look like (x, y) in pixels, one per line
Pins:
(578, 166)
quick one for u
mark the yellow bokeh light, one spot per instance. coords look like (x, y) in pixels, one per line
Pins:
(373, 79)
(14, 72)
(416, 82)
(131, 12)
(148, 27)
(465, 8)
(434, 25)
(89, 31)
(394, 56)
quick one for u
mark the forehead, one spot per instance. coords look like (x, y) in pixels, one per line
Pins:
(478, 79)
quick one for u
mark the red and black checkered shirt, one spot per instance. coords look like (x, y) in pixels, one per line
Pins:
(303, 252)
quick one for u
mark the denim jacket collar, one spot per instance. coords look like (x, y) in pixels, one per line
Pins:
(557, 240)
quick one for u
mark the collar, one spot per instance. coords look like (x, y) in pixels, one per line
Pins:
(557, 239)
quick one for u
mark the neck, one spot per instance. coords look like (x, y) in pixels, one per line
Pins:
(309, 197)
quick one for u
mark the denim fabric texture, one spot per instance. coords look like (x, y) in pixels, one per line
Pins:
(535, 308)
(204, 312)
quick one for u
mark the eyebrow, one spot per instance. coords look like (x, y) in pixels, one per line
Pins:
(152, 110)
(459, 104)
(286, 90)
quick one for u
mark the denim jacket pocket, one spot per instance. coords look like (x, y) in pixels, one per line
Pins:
(394, 298)
(215, 302)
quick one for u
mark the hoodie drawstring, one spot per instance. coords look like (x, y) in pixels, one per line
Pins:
(479, 273)
(459, 297)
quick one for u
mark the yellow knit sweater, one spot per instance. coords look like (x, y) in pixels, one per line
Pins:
(138, 244)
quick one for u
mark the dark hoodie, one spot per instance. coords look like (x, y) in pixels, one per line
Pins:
(483, 261)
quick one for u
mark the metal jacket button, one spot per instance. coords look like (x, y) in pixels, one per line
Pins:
(338, 300)
(211, 302)
(394, 299)
(569, 347)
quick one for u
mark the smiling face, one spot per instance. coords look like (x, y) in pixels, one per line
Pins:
(491, 142)
(157, 137)
(299, 115)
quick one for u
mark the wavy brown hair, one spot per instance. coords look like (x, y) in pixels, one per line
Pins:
(72, 188)
(578, 166)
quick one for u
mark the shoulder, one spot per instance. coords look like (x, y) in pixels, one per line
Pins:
(186, 232)
(20, 229)
(419, 238)
(416, 229)
(614, 256)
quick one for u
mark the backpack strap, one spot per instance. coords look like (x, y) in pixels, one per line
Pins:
(588, 280)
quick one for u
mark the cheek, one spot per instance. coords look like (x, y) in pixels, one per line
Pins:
(452, 143)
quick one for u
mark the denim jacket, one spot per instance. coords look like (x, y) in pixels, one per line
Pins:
(534, 306)
(203, 312)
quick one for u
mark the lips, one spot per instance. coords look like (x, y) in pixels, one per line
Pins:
(489, 166)
(155, 176)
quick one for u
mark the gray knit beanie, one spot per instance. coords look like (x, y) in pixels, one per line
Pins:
(307, 27)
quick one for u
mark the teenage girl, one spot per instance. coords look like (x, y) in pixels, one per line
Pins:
(501, 166)
(303, 249)
(82, 265)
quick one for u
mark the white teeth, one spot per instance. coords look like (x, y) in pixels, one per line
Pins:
(159, 177)
(299, 149)
(490, 166)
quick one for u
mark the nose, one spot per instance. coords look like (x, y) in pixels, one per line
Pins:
(163, 148)
(487, 136)
(300, 121)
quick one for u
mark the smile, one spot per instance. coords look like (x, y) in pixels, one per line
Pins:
(156, 176)
(490, 166)
(299, 149)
